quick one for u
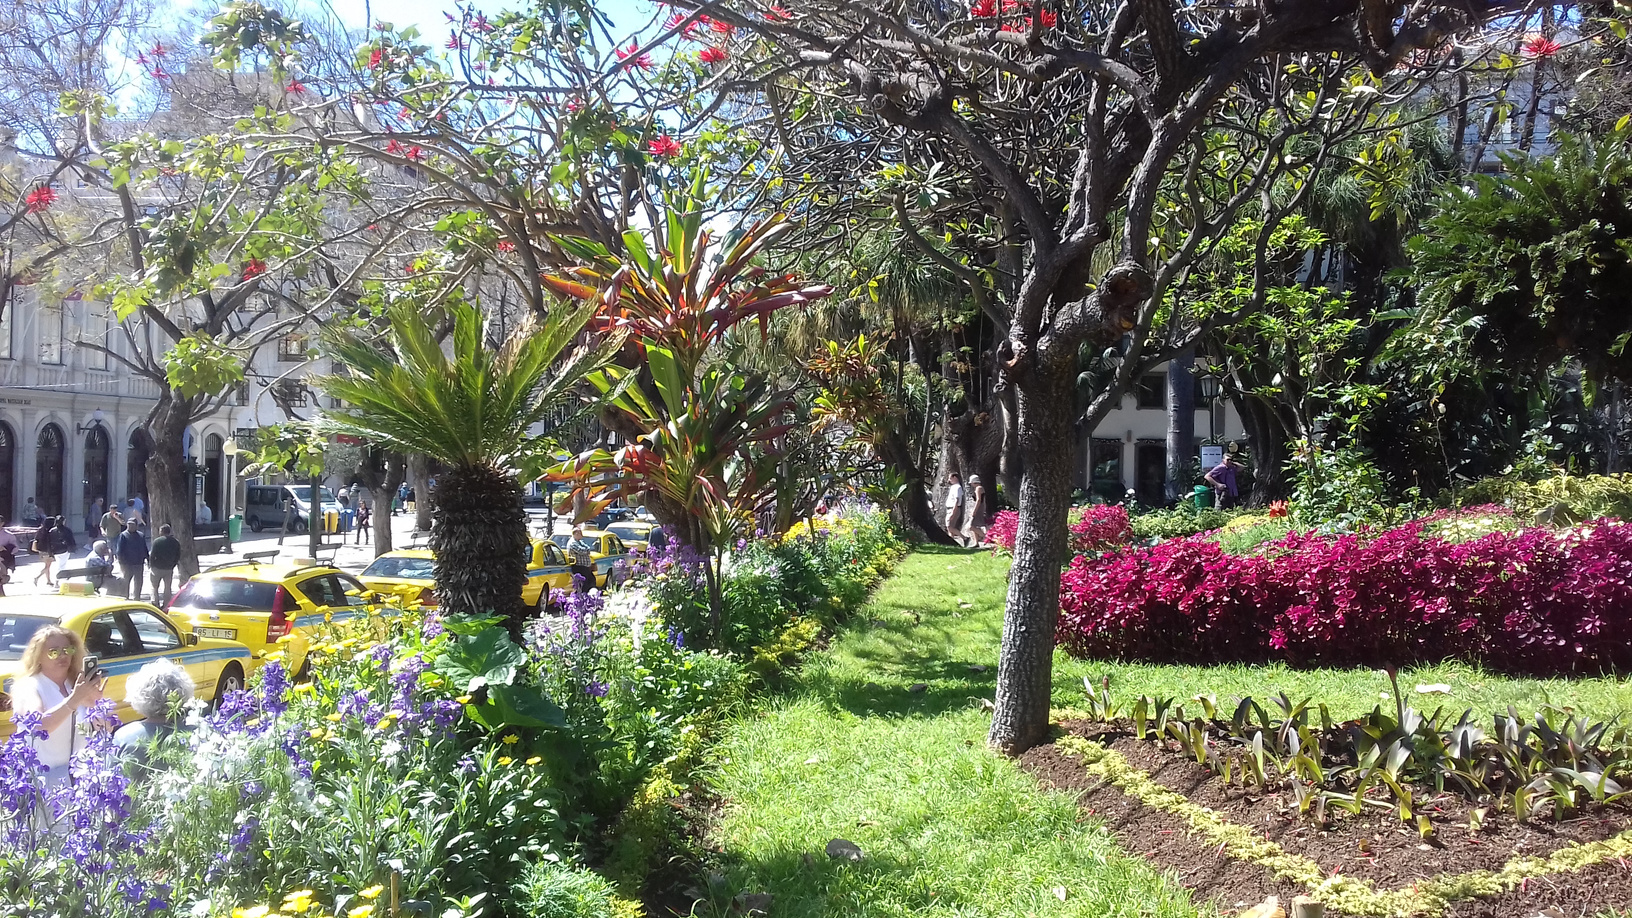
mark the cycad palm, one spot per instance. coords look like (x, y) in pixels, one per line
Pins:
(472, 409)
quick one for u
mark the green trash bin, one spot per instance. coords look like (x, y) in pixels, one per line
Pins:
(235, 527)
(1203, 496)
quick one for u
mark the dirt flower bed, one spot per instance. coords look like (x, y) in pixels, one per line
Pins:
(1236, 845)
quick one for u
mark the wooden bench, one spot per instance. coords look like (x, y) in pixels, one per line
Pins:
(259, 556)
(211, 544)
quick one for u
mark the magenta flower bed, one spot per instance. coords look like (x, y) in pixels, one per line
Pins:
(1101, 527)
(1534, 601)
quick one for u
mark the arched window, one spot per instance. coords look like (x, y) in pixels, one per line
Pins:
(98, 447)
(141, 446)
(8, 472)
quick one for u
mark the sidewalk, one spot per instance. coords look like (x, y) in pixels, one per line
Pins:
(351, 556)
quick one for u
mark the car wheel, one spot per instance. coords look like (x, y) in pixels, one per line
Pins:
(255, 524)
(232, 680)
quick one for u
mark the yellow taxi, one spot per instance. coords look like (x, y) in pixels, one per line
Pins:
(635, 534)
(606, 548)
(272, 606)
(123, 635)
(410, 573)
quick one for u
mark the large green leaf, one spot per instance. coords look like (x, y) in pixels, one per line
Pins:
(489, 658)
(517, 706)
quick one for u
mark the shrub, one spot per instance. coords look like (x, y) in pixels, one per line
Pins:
(1101, 527)
(1536, 600)
(1005, 526)
(1183, 520)
(553, 890)
(1578, 498)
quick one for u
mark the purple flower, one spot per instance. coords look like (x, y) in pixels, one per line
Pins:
(381, 656)
(677, 637)
(595, 688)
(432, 627)
(274, 689)
(467, 764)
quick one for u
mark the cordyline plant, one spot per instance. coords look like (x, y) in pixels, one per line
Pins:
(704, 438)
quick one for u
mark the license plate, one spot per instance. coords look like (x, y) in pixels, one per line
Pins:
(225, 634)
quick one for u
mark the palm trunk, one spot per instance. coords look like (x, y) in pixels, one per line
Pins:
(395, 469)
(480, 543)
(169, 486)
(1025, 666)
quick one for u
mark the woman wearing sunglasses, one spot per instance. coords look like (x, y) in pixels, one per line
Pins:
(54, 683)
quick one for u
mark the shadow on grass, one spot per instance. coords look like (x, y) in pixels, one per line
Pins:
(810, 883)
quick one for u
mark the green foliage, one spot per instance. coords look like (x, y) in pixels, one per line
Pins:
(1246, 533)
(1573, 499)
(1529, 267)
(1338, 486)
(555, 890)
(1183, 520)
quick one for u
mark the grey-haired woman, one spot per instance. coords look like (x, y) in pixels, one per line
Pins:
(160, 692)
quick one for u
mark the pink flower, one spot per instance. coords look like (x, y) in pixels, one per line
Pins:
(777, 14)
(254, 268)
(394, 148)
(663, 145)
(711, 55)
(40, 199)
(296, 87)
(374, 59)
(723, 28)
(454, 42)
(506, 245)
(415, 154)
(644, 61)
(983, 9)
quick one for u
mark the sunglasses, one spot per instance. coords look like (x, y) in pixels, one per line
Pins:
(58, 653)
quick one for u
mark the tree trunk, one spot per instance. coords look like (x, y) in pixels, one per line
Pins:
(1266, 438)
(896, 452)
(1181, 423)
(1025, 665)
(480, 543)
(1009, 465)
(316, 521)
(395, 469)
(169, 486)
(419, 480)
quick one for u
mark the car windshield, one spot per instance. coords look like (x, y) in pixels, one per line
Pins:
(227, 594)
(303, 493)
(15, 630)
(627, 532)
(401, 568)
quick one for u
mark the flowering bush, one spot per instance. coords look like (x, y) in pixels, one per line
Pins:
(1536, 600)
(1101, 527)
(1005, 527)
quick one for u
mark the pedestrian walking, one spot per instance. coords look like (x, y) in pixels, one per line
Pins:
(976, 528)
(93, 517)
(402, 498)
(954, 506)
(53, 538)
(161, 562)
(133, 512)
(112, 524)
(364, 530)
(131, 550)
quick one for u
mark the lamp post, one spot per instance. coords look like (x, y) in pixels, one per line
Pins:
(1210, 386)
(96, 421)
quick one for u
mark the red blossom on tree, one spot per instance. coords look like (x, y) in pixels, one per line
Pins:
(296, 87)
(254, 268)
(394, 148)
(711, 55)
(159, 50)
(1542, 46)
(454, 43)
(506, 245)
(481, 24)
(983, 9)
(777, 13)
(415, 154)
(1050, 18)
(40, 199)
(663, 145)
(644, 61)
(574, 106)
(724, 28)
(374, 59)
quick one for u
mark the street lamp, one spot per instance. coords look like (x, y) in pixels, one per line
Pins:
(1210, 386)
(96, 421)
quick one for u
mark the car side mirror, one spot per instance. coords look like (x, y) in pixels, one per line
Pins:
(190, 639)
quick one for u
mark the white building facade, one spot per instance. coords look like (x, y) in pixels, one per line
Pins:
(1127, 450)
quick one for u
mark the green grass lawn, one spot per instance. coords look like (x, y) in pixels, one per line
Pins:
(948, 828)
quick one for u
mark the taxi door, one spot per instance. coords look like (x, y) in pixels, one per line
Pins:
(547, 569)
(612, 551)
(125, 640)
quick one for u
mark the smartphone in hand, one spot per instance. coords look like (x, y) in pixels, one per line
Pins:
(93, 667)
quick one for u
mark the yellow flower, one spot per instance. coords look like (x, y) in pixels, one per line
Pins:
(505, 760)
(332, 718)
(361, 911)
(373, 892)
(534, 760)
(510, 739)
(257, 911)
(306, 688)
(463, 699)
(275, 656)
(316, 733)
(299, 901)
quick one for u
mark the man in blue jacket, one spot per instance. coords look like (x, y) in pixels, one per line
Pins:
(131, 550)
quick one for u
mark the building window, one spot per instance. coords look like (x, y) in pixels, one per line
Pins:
(290, 393)
(96, 332)
(1151, 391)
(292, 348)
(1105, 467)
(242, 393)
(51, 335)
(6, 309)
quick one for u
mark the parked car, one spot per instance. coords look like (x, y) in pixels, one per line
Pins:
(410, 573)
(607, 550)
(123, 635)
(266, 506)
(260, 603)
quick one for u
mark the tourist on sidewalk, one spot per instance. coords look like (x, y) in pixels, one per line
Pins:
(132, 551)
(52, 539)
(161, 561)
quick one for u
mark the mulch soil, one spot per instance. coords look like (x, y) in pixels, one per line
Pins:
(1375, 846)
